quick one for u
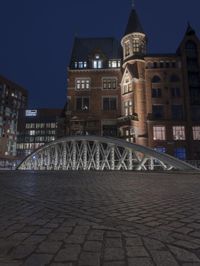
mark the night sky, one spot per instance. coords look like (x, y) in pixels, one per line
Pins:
(37, 36)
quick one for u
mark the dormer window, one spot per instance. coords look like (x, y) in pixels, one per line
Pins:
(114, 63)
(97, 62)
(127, 48)
(80, 64)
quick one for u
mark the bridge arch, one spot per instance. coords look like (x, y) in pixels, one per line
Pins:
(99, 153)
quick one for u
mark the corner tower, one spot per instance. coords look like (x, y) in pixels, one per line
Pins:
(134, 41)
(133, 123)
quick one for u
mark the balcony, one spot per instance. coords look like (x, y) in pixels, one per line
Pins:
(126, 120)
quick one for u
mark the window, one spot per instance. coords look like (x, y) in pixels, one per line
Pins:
(175, 92)
(109, 83)
(82, 84)
(161, 64)
(127, 87)
(158, 111)
(174, 78)
(177, 112)
(196, 132)
(109, 103)
(160, 149)
(180, 153)
(128, 108)
(127, 48)
(136, 45)
(110, 130)
(155, 64)
(32, 132)
(156, 93)
(159, 133)
(114, 63)
(82, 103)
(179, 133)
(97, 62)
(156, 79)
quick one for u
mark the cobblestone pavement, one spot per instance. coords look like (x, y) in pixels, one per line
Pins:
(99, 219)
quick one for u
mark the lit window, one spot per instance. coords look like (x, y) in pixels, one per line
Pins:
(127, 48)
(109, 83)
(127, 86)
(128, 108)
(160, 149)
(32, 132)
(109, 103)
(80, 64)
(180, 153)
(136, 45)
(114, 63)
(159, 133)
(179, 133)
(82, 84)
(97, 62)
(196, 133)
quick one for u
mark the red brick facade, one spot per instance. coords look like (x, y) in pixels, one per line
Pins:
(152, 100)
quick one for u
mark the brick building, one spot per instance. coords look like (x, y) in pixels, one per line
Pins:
(12, 98)
(123, 91)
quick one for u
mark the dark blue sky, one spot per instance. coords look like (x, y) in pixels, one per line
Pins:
(37, 36)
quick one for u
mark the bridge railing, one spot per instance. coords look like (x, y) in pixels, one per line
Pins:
(195, 163)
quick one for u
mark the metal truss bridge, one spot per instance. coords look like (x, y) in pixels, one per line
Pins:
(99, 153)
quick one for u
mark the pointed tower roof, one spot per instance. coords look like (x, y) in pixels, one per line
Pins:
(190, 31)
(134, 24)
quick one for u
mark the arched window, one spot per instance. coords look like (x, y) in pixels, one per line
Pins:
(156, 79)
(174, 78)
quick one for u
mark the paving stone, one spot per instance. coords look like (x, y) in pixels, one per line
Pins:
(136, 251)
(113, 242)
(95, 235)
(38, 259)
(163, 258)
(62, 264)
(93, 246)
(134, 241)
(22, 251)
(115, 263)
(70, 253)
(75, 239)
(140, 262)
(114, 254)
(34, 239)
(184, 255)
(49, 247)
(89, 259)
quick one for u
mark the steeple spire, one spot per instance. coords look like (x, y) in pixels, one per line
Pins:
(133, 4)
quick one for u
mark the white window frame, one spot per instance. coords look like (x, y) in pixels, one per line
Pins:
(178, 133)
(159, 133)
(196, 132)
(82, 84)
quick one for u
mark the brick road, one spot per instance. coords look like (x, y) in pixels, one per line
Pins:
(99, 219)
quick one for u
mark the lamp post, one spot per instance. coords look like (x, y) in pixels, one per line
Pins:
(84, 108)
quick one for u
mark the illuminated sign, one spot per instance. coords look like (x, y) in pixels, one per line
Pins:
(31, 112)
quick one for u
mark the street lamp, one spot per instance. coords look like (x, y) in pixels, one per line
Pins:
(84, 108)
